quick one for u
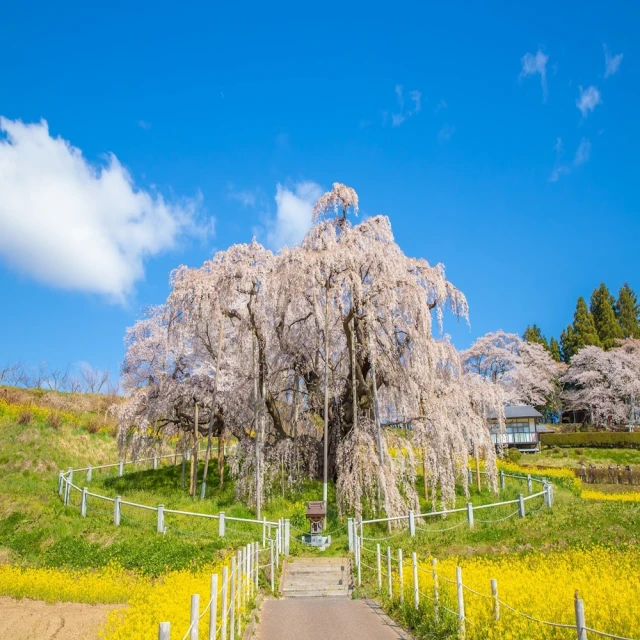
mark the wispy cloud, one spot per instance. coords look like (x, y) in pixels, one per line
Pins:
(441, 105)
(245, 196)
(612, 63)
(446, 133)
(143, 124)
(589, 99)
(582, 154)
(415, 96)
(536, 64)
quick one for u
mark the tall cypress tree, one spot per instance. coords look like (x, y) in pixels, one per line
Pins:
(628, 312)
(607, 326)
(554, 349)
(534, 334)
(581, 333)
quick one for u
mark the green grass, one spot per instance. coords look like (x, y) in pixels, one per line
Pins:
(573, 458)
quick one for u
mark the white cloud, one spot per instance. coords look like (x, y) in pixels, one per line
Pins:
(441, 105)
(446, 133)
(558, 172)
(416, 97)
(73, 225)
(245, 197)
(589, 99)
(612, 63)
(582, 152)
(397, 119)
(293, 213)
(558, 145)
(536, 64)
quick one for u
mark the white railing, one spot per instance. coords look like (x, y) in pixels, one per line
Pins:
(390, 576)
(528, 437)
(356, 528)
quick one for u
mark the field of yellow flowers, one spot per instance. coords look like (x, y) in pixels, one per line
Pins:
(541, 585)
(150, 601)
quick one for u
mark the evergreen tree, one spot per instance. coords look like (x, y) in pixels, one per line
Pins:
(607, 326)
(554, 349)
(627, 312)
(534, 334)
(581, 333)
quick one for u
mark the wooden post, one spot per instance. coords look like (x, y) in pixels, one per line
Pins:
(521, 505)
(213, 607)
(412, 524)
(232, 600)
(436, 592)
(496, 601)
(389, 575)
(195, 616)
(580, 618)
(460, 591)
(160, 523)
(116, 511)
(164, 631)
(425, 469)
(212, 412)
(184, 462)
(378, 564)
(223, 603)
(477, 455)
(89, 473)
(401, 575)
(194, 453)
(416, 595)
(256, 426)
(221, 526)
(470, 514)
(83, 503)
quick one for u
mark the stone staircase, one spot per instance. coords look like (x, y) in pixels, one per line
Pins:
(316, 578)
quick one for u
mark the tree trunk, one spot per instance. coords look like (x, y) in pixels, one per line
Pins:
(376, 415)
(256, 428)
(221, 446)
(424, 473)
(326, 397)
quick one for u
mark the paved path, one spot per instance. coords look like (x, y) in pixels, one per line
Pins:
(334, 618)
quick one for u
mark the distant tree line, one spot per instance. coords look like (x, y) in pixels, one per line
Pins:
(603, 324)
(71, 379)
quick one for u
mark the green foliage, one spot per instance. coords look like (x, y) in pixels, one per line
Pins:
(604, 318)
(534, 334)
(514, 455)
(627, 312)
(591, 439)
(554, 349)
(581, 333)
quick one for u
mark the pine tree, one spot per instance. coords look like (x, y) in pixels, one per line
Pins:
(607, 326)
(581, 333)
(554, 349)
(627, 312)
(534, 334)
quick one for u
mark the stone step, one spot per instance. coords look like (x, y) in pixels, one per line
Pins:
(317, 593)
(316, 577)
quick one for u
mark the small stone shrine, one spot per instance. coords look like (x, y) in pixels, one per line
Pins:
(316, 513)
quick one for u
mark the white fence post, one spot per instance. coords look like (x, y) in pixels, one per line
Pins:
(529, 484)
(470, 514)
(221, 524)
(155, 462)
(401, 575)
(232, 600)
(496, 601)
(223, 603)
(264, 532)
(412, 524)
(436, 593)
(83, 503)
(460, 590)
(580, 619)
(116, 511)
(240, 585)
(203, 489)
(89, 473)
(213, 607)
(521, 505)
(60, 482)
(67, 491)
(164, 631)
(70, 475)
(120, 468)
(416, 596)
(350, 533)
(160, 525)
(389, 575)
(378, 564)
(287, 532)
(470, 476)
(501, 479)
(358, 551)
(550, 493)
(256, 563)
(273, 573)
(195, 616)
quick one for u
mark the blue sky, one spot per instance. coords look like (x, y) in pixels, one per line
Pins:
(498, 137)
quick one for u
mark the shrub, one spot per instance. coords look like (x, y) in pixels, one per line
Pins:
(93, 425)
(579, 452)
(604, 439)
(556, 450)
(54, 420)
(25, 417)
(565, 454)
(514, 455)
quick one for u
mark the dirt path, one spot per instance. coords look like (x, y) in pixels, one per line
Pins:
(36, 620)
